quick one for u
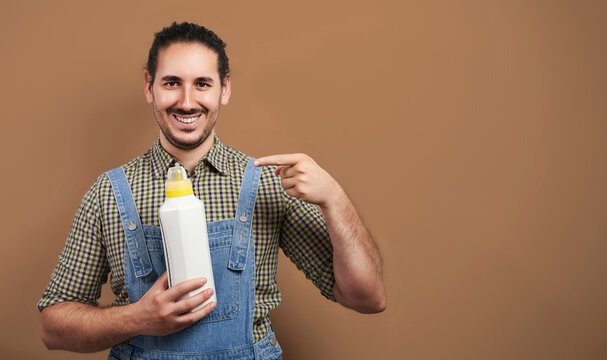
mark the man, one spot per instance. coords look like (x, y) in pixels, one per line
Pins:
(284, 201)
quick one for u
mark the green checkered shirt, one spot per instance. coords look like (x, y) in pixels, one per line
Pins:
(95, 245)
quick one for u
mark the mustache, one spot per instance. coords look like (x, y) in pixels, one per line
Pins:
(177, 111)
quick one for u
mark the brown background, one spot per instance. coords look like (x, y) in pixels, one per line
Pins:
(470, 135)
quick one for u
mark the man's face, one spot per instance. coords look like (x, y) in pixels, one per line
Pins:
(186, 94)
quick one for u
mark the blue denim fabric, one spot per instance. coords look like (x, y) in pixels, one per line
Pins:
(226, 333)
(266, 349)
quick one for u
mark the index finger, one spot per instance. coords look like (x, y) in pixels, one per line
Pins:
(282, 159)
(184, 287)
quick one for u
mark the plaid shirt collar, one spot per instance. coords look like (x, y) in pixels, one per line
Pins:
(216, 158)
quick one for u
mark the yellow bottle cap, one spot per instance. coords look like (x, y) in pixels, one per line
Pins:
(177, 183)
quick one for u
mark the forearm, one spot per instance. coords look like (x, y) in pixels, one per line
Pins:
(356, 261)
(83, 328)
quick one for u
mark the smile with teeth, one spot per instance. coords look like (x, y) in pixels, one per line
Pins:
(186, 120)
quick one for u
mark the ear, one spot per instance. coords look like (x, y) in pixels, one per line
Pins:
(149, 96)
(226, 90)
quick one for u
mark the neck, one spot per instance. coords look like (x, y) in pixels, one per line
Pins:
(189, 158)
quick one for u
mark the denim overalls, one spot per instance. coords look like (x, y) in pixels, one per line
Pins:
(227, 332)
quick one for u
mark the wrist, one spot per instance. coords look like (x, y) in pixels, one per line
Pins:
(335, 199)
(133, 321)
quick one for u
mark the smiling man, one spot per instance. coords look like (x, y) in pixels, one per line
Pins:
(280, 201)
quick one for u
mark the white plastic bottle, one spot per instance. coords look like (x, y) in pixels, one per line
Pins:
(184, 234)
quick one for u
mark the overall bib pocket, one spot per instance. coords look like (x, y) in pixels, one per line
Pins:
(227, 281)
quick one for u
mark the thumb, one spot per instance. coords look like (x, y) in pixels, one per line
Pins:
(280, 168)
(162, 283)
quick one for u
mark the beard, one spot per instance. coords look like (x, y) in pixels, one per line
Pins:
(174, 140)
(188, 145)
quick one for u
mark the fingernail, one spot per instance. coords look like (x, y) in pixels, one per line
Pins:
(204, 280)
(210, 291)
(256, 163)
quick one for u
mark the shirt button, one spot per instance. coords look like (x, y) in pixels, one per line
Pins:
(273, 341)
(132, 226)
(243, 218)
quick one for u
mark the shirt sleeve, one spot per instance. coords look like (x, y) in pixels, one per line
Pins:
(82, 268)
(305, 240)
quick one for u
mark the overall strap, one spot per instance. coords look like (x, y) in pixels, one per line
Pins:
(131, 223)
(244, 217)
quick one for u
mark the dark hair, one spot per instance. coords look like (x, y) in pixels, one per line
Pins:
(188, 33)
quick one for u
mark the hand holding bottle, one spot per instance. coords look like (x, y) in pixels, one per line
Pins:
(160, 312)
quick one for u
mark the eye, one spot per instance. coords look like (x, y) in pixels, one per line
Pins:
(202, 85)
(171, 83)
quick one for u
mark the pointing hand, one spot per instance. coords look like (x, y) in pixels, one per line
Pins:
(303, 178)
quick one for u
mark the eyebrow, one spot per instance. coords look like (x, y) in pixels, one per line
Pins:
(198, 79)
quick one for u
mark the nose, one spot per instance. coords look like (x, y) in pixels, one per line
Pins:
(186, 99)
